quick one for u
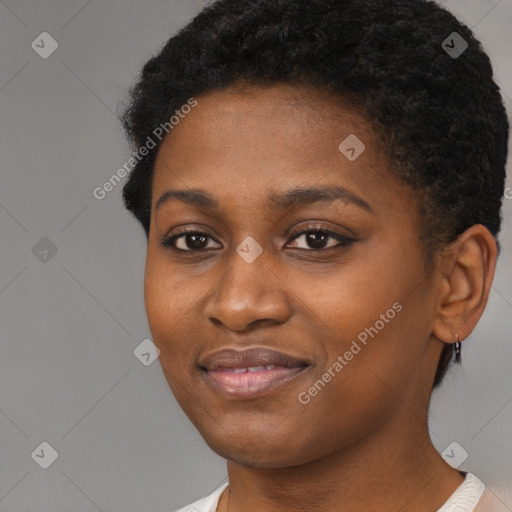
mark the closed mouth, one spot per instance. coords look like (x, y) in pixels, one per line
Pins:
(251, 372)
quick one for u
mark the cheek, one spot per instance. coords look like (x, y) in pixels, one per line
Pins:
(352, 299)
(371, 316)
(169, 308)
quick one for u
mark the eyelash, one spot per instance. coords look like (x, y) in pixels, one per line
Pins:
(344, 241)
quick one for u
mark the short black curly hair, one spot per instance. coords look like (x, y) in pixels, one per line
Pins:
(440, 117)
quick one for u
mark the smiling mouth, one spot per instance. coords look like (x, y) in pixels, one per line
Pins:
(251, 382)
(250, 373)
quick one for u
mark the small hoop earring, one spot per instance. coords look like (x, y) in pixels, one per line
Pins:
(458, 347)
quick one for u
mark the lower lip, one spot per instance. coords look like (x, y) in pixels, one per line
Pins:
(251, 384)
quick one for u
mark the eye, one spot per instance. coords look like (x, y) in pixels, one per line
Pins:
(318, 239)
(188, 241)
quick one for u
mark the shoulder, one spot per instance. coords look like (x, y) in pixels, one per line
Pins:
(207, 504)
(490, 502)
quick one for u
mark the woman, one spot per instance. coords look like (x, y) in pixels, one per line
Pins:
(320, 185)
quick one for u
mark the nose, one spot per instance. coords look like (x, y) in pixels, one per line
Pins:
(247, 294)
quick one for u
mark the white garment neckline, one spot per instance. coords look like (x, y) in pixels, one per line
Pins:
(464, 499)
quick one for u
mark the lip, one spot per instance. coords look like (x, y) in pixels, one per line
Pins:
(251, 372)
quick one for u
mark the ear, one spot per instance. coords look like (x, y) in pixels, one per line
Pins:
(467, 267)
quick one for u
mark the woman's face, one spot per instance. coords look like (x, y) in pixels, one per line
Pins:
(307, 268)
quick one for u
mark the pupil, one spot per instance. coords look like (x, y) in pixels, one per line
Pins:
(198, 241)
(317, 239)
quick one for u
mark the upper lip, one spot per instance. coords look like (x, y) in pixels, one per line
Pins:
(251, 357)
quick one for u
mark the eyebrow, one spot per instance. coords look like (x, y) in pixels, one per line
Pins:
(308, 195)
(202, 200)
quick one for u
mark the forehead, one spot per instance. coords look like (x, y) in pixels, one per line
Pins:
(239, 143)
(270, 106)
(277, 122)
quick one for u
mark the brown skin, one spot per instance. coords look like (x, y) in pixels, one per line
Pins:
(362, 443)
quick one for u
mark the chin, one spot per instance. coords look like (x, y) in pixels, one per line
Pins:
(257, 451)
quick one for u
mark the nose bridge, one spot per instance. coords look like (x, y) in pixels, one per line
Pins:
(248, 291)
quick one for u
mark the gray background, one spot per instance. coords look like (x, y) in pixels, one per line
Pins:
(69, 325)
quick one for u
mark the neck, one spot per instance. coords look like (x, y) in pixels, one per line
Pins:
(397, 469)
